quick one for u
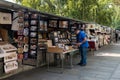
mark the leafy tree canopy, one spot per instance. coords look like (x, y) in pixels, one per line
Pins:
(105, 12)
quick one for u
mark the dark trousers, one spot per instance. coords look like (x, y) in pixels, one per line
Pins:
(83, 53)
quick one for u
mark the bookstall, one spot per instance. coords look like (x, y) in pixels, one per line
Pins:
(29, 37)
(98, 35)
(26, 35)
(93, 37)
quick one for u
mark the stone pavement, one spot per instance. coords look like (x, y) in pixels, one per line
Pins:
(104, 65)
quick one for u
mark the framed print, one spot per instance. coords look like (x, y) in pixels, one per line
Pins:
(20, 44)
(26, 24)
(20, 31)
(33, 40)
(25, 40)
(56, 39)
(25, 55)
(33, 28)
(25, 31)
(5, 18)
(25, 49)
(45, 25)
(26, 16)
(15, 25)
(20, 38)
(20, 50)
(33, 22)
(33, 34)
(20, 14)
(52, 23)
(63, 24)
(21, 25)
(33, 46)
(20, 20)
(40, 36)
(34, 16)
(41, 25)
(33, 53)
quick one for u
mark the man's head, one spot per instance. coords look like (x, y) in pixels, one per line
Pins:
(77, 31)
(82, 27)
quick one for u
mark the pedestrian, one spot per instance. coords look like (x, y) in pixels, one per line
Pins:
(116, 37)
(82, 44)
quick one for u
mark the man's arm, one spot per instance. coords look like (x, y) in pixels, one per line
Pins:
(85, 39)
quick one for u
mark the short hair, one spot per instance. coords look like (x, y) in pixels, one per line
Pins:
(76, 29)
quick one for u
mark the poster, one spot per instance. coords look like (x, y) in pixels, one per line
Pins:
(5, 18)
(15, 25)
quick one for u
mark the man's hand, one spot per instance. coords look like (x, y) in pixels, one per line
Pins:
(78, 44)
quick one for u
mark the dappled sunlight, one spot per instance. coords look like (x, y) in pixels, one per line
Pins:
(108, 54)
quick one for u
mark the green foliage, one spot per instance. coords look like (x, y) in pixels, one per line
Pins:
(105, 12)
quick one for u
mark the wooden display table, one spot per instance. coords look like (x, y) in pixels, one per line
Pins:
(61, 52)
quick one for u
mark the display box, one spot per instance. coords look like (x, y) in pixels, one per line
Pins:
(12, 56)
(9, 66)
(6, 48)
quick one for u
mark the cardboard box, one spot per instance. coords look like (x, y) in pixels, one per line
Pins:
(4, 34)
(71, 48)
(49, 43)
(54, 49)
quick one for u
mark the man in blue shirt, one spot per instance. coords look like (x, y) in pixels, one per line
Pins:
(82, 44)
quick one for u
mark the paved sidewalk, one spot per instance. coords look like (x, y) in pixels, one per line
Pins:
(105, 65)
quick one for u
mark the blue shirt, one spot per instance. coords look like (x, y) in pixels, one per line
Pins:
(80, 37)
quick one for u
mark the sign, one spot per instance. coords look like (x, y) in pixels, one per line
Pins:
(5, 18)
(12, 56)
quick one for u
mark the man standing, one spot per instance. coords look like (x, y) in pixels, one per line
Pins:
(82, 44)
(116, 36)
